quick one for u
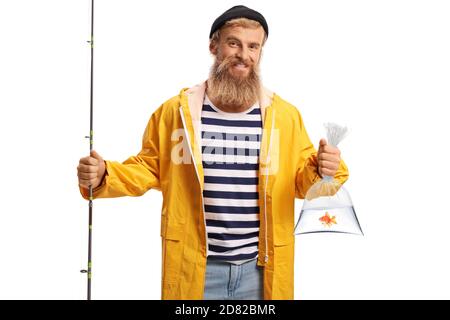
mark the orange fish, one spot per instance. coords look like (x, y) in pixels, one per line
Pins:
(327, 220)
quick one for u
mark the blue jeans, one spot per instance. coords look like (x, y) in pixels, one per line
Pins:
(226, 281)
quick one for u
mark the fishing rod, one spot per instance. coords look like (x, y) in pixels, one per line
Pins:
(91, 144)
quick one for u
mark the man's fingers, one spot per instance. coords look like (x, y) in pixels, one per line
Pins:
(327, 172)
(87, 168)
(87, 175)
(86, 182)
(96, 155)
(322, 142)
(89, 160)
(330, 149)
(328, 165)
(329, 157)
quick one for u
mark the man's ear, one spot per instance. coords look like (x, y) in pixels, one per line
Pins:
(213, 47)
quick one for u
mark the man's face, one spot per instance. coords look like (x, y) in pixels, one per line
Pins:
(242, 46)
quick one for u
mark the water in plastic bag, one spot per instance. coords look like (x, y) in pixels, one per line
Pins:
(327, 206)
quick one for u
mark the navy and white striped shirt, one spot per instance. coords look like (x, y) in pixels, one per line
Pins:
(230, 156)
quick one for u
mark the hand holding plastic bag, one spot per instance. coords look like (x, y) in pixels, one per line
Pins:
(328, 206)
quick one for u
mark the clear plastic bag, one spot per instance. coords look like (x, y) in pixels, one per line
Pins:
(327, 206)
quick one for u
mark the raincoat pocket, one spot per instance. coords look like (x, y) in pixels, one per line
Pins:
(172, 236)
(171, 230)
(282, 242)
(283, 235)
(283, 259)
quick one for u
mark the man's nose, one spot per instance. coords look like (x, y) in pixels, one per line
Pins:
(243, 53)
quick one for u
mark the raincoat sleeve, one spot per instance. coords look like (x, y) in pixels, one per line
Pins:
(137, 174)
(307, 165)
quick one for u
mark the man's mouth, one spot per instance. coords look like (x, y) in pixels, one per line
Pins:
(240, 66)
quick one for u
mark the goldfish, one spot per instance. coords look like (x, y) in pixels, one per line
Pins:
(327, 220)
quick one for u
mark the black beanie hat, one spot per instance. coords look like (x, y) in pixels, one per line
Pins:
(239, 12)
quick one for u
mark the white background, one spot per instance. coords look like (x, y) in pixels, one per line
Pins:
(380, 67)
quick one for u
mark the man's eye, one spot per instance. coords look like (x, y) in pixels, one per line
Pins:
(233, 43)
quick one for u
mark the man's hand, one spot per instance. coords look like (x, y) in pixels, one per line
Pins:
(91, 170)
(329, 158)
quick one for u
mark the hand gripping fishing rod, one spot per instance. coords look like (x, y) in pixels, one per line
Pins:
(91, 144)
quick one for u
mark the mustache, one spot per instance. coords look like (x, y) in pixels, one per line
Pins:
(231, 61)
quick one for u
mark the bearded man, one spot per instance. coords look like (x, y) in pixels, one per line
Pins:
(229, 157)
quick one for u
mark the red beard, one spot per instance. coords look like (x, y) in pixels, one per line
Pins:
(233, 90)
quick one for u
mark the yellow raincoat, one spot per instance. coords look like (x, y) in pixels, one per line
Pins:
(171, 163)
